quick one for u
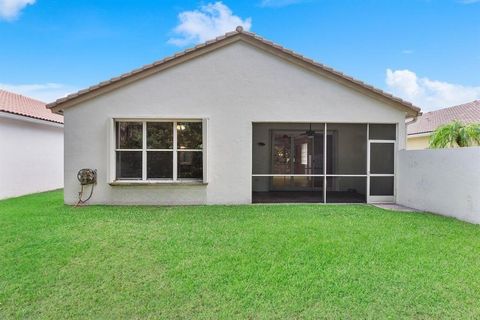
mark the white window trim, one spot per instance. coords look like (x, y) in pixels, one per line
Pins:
(144, 181)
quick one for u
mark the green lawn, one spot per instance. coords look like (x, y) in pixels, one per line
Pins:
(279, 261)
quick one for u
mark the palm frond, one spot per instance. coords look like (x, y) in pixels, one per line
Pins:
(455, 134)
(473, 133)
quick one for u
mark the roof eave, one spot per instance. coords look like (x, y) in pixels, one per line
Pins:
(419, 134)
(26, 117)
(59, 105)
(63, 103)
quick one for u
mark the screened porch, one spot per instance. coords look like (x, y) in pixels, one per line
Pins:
(323, 162)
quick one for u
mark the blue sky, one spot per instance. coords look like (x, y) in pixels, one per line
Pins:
(426, 51)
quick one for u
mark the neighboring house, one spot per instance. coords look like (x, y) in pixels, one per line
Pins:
(31, 144)
(419, 132)
(235, 120)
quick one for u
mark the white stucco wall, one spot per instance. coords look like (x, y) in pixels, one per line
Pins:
(31, 155)
(443, 181)
(232, 87)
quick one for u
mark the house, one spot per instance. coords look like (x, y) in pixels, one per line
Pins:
(419, 131)
(31, 144)
(235, 120)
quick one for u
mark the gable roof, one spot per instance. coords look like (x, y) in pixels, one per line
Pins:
(428, 122)
(24, 106)
(230, 37)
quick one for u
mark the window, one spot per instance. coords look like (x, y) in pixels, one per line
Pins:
(159, 150)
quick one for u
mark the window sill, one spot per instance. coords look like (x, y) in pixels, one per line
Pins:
(157, 183)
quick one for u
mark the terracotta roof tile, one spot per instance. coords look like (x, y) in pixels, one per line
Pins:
(20, 105)
(428, 122)
(238, 31)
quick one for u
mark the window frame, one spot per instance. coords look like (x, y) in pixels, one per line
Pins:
(112, 178)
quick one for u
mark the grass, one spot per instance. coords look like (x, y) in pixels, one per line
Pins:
(280, 261)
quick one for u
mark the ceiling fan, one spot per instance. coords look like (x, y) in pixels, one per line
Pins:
(309, 133)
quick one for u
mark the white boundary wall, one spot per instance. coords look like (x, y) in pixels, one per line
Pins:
(442, 181)
(31, 155)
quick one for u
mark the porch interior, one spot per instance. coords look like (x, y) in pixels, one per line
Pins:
(307, 197)
(315, 163)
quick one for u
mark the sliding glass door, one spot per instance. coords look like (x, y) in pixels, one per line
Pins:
(296, 158)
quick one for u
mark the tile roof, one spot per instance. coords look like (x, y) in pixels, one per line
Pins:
(20, 105)
(428, 122)
(60, 104)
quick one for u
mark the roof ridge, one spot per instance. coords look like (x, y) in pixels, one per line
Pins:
(238, 31)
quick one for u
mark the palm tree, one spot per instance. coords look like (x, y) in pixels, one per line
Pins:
(456, 134)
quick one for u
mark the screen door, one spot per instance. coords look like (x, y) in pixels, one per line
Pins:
(381, 171)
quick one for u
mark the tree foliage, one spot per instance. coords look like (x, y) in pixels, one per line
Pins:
(456, 134)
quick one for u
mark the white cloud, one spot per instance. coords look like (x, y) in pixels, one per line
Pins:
(208, 22)
(46, 92)
(408, 51)
(426, 93)
(278, 3)
(10, 9)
